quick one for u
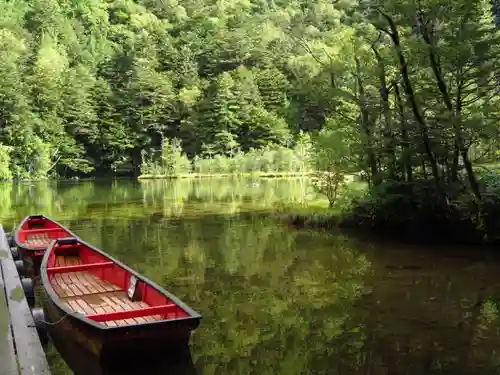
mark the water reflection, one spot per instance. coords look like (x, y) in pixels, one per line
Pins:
(280, 301)
(155, 198)
(268, 302)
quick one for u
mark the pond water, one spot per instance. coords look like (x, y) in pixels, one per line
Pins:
(276, 300)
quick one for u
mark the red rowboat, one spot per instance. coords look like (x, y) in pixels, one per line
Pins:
(106, 308)
(33, 236)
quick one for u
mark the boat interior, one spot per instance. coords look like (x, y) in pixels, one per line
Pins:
(90, 283)
(38, 232)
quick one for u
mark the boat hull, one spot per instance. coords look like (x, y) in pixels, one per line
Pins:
(31, 261)
(77, 347)
(113, 347)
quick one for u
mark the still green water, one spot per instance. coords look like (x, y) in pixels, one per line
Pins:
(275, 300)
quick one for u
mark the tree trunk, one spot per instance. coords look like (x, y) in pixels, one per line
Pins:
(424, 170)
(454, 164)
(454, 117)
(405, 144)
(365, 127)
(384, 96)
(410, 95)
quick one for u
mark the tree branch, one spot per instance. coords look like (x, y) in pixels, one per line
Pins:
(54, 164)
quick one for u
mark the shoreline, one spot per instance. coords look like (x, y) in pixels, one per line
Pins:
(226, 175)
(320, 217)
(270, 175)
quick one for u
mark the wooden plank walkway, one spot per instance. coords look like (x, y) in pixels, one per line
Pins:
(21, 352)
(7, 358)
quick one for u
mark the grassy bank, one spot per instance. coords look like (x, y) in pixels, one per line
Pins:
(316, 215)
(319, 213)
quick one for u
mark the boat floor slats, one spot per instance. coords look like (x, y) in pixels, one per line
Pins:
(37, 240)
(85, 293)
(62, 261)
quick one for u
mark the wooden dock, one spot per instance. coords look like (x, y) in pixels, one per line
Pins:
(21, 352)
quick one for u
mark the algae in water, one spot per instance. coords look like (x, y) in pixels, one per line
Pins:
(17, 294)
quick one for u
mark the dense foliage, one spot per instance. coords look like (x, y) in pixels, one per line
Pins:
(98, 86)
(417, 111)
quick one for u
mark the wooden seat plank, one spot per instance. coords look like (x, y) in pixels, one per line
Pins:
(140, 304)
(98, 309)
(109, 308)
(109, 302)
(131, 305)
(151, 318)
(97, 302)
(115, 301)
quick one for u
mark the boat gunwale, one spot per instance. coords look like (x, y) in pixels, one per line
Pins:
(21, 245)
(192, 314)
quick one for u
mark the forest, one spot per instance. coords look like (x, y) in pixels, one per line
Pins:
(404, 95)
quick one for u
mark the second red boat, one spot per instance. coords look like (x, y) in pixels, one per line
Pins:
(32, 238)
